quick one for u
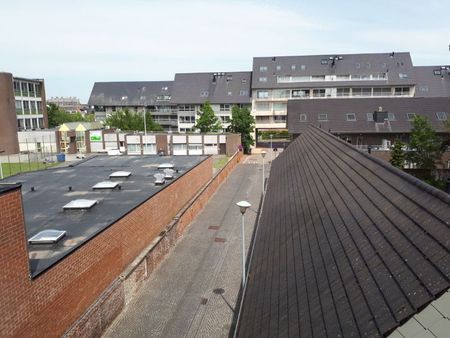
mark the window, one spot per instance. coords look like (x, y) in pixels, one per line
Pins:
(24, 89)
(318, 92)
(124, 98)
(318, 78)
(437, 72)
(300, 93)
(343, 92)
(289, 79)
(224, 119)
(186, 119)
(262, 94)
(230, 93)
(279, 106)
(31, 89)
(382, 91)
(284, 93)
(423, 88)
(20, 124)
(262, 106)
(225, 107)
(303, 118)
(343, 77)
(293, 67)
(244, 81)
(402, 75)
(324, 62)
(243, 93)
(263, 68)
(362, 91)
(204, 93)
(401, 91)
(26, 107)
(33, 108)
(379, 76)
(391, 117)
(27, 123)
(369, 117)
(263, 79)
(410, 116)
(279, 119)
(441, 116)
(303, 67)
(323, 117)
(17, 88)
(263, 119)
(186, 108)
(19, 107)
(41, 123)
(351, 116)
(39, 107)
(179, 147)
(38, 89)
(278, 67)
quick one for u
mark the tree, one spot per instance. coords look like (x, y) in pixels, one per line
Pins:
(127, 120)
(208, 121)
(242, 122)
(398, 155)
(424, 143)
(57, 116)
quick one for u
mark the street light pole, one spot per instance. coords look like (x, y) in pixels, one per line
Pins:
(243, 206)
(271, 149)
(263, 154)
(1, 165)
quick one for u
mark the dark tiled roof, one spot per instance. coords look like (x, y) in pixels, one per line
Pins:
(431, 85)
(346, 246)
(338, 108)
(191, 88)
(129, 93)
(355, 64)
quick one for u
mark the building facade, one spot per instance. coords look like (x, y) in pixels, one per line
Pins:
(22, 107)
(70, 104)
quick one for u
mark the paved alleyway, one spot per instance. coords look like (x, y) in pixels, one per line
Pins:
(193, 292)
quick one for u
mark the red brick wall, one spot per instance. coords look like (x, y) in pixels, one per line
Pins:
(49, 304)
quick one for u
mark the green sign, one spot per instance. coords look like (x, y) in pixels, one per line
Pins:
(96, 138)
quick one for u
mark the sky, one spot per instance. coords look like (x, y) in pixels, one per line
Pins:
(72, 44)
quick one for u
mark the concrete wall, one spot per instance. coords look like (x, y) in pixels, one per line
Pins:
(49, 304)
(8, 119)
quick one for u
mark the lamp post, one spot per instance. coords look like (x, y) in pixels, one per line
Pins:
(243, 206)
(263, 154)
(1, 166)
(271, 149)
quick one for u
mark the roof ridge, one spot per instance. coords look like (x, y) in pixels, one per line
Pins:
(411, 179)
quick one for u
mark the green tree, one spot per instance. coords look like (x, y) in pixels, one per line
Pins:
(208, 121)
(128, 120)
(424, 143)
(398, 155)
(57, 116)
(243, 122)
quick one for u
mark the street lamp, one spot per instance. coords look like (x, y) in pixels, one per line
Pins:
(263, 154)
(243, 206)
(271, 149)
(1, 166)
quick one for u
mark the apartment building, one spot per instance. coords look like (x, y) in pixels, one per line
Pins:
(222, 90)
(70, 104)
(155, 96)
(279, 79)
(22, 107)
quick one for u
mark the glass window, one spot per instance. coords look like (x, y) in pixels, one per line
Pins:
(343, 92)
(318, 78)
(262, 106)
(303, 118)
(410, 116)
(391, 117)
(343, 77)
(437, 72)
(17, 88)
(204, 93)
(300, 93)
(401, 91)
(20, 124)
(38, 89)
(402, 75)
(382, 92)
(303, 67)
(28, 123)
(324, 62)
(278, 67)
(281, 93)
(262, 94)
(224, 119)
(262, 119)
(134, 148)
(263, 79)
(323, 117)
(24, 89)
(263, 68)
(19, 107)
(369, 117)
(243, 92)
(318, 92)
(225, 107)
(441, 116)
(230, 93)
(26, 107)
(279, 118)
(351, 116)
(41, 123)
(280, 106)
(293, 67)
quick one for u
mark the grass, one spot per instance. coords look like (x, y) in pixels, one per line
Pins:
(10, 169)
(220, 162)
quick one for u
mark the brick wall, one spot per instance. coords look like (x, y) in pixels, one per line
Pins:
(122, 291)
(52, 302)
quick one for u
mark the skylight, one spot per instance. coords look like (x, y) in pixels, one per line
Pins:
(120, 174)
(168, 174)
(105, 185)
(165, 166)
(80, 204)
(47, 237)
(159, 179)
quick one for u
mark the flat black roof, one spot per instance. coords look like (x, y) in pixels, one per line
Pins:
(43, 207)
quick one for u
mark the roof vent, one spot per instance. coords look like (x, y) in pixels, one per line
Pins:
(120, 174)
(159, 179)
(80, 204)
(105, 185)
(168, 174)
(47, 237)
(166, 166)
